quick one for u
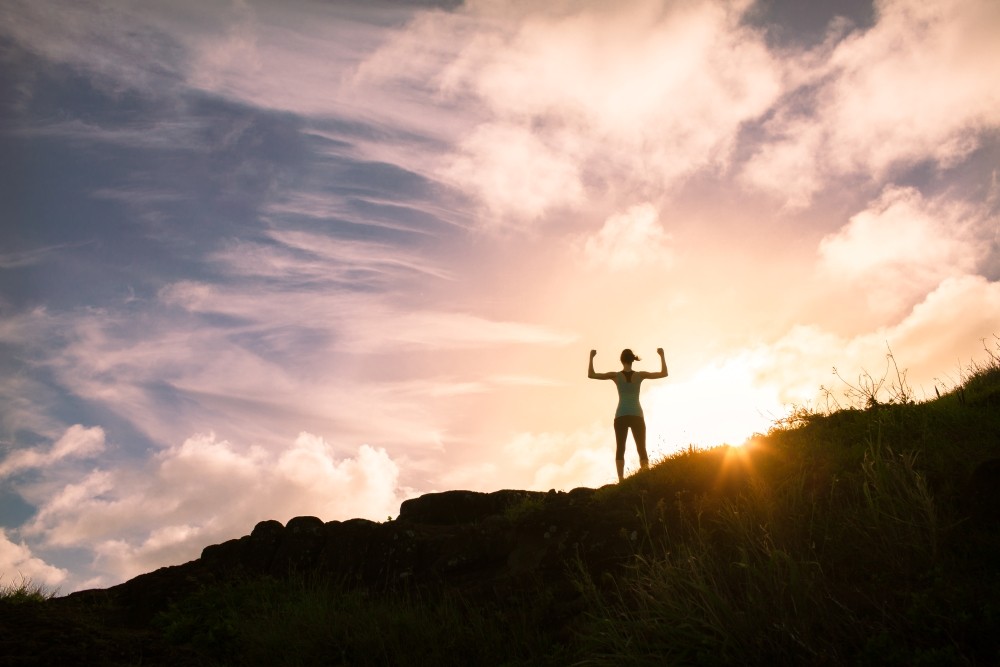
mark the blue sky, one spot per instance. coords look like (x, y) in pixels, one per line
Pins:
(260, 260)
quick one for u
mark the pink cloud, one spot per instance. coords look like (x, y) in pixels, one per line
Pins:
(903, 246)
(915, 87)
(629, 240)
(19, 565)
(77, 442)
(206, 490)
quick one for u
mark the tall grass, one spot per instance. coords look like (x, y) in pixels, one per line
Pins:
(836, 539)
(312, 619)
(834, 551)
(24, 590)
(762, 581)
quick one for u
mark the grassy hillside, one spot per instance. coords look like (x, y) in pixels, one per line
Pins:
(868, 535)
(865, 536)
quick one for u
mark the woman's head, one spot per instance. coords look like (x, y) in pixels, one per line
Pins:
(628, 356)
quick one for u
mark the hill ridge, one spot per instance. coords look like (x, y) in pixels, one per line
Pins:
(865, 535)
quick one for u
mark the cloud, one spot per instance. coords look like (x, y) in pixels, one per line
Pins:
(249, 361)
(114, 45)
(913, 88)
(903, 246)
(272, 57)
(302, 261)
(909, 90)
(18, 564)
(77, 442)
(369, 210)
(515, 172)
(786, 166)
(206, 490)
(576, 99)
(360, 322)
(565, 461)
(544, 460)
(21, 259)
(937, 339)
(158, 135)
(360, 255)
(746, 390)
(630, 240)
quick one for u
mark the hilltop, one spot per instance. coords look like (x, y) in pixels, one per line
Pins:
(866, 535)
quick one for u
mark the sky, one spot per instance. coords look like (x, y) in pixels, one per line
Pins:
(266, 259)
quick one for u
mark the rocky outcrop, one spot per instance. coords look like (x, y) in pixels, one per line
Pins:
(499, 543)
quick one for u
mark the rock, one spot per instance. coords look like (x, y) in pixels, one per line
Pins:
(455, 507)
(264, 530)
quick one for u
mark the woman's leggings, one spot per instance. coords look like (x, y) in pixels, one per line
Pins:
(638, 426)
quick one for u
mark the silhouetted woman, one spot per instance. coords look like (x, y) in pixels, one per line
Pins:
(629, 412)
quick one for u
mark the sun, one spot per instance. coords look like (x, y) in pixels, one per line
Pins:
(722, 403)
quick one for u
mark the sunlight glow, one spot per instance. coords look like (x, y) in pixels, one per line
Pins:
(719, 404)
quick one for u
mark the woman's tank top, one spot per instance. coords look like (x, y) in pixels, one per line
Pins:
(628, 395)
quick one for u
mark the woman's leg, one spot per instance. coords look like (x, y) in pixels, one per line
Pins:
(639, 433)
(621, 432)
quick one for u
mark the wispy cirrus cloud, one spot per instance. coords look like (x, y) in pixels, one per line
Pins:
(32, 256)
(162, 135)
(77, 442)
(119, 48)
(247, 361)
(395, 259)
(361, 210)
(359, 321)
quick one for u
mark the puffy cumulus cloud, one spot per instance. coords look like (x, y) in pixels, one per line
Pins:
(945, 332)
(541, 461)
(934, 342)
(206, 490)
(77, 442)
(18, 564)
(786, 166)
(747, 390)
(903, 246)
(630, 239)
(516, 172)
(575, 95)
(915, 87)
(555, 460)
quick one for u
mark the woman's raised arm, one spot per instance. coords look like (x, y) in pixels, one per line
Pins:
(597, 376)
(663, 368)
